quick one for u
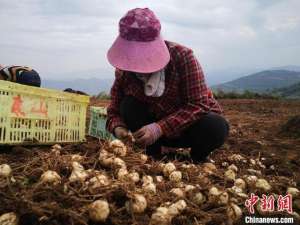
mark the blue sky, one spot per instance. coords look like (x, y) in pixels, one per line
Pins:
(60, 38)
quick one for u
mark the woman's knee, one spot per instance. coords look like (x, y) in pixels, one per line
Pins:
(218, 127)
(209, 133)
(211, 129)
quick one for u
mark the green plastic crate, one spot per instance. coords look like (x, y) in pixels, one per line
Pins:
(98, 122)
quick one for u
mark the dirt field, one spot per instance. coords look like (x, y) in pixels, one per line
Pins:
(255, 136)
(256, 129)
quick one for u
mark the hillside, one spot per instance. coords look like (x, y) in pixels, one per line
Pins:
(291, 92)
(92, 86)
(261, 82)
(288, 67)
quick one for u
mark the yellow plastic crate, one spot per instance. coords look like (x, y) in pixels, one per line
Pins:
(31, 115)
(98, 122)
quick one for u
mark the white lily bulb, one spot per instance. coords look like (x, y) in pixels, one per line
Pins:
(107, 161)
(236, 189)
(5, 170)
(189, 188)
(198, 198)
(234, 212)
(252, 161)
(50, 177)
(122, 174)
(168, 169)
(214, 191)
(118, 147)
(9, 219)
(176, 208)
(103, 154)
(251, 180)
(230, 175)
(119, 163)
(254, 172)
(137, 205)
(240, 183)
(144, 158)
(57, 146)
(161, 216)
(161, 166)
(98, 181)
(223, 198)
(233, 168)
(209, 168)
(78, 173)
(175, 176)
(116, 143)
(76, 158)
(263, 185)
(149, 188)
(159, 179)
(134, 177)
(213, 194)
(181, 205)
(99, 210)
(177, 192)
(236, 157)
(293, 191)
(147, 179)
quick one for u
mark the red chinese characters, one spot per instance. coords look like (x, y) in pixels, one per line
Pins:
(284, 203)
(42, 109)
(249, 203)
(17, 106)
(21, 109)
(267, 203)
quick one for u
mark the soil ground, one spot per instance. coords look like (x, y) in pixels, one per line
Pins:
(255, 134)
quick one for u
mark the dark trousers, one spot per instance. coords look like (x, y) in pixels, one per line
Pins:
(205, 135)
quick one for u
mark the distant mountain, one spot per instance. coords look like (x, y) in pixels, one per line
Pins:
(261, 82)
(215, 77)
(220, 76)
(289, 67)
(92, 86)
(291, 92)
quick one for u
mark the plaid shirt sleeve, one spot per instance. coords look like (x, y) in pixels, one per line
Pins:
(194, 93)
(113, 111)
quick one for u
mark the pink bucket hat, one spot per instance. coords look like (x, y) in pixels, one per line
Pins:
(139, 46)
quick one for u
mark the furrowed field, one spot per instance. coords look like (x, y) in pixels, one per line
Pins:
(261, 156)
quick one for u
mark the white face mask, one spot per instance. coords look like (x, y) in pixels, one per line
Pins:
(154, 84)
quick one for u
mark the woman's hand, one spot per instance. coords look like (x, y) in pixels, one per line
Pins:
(121, 133)
(148, 134)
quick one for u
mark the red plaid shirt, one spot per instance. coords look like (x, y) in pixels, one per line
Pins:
(185, 99)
